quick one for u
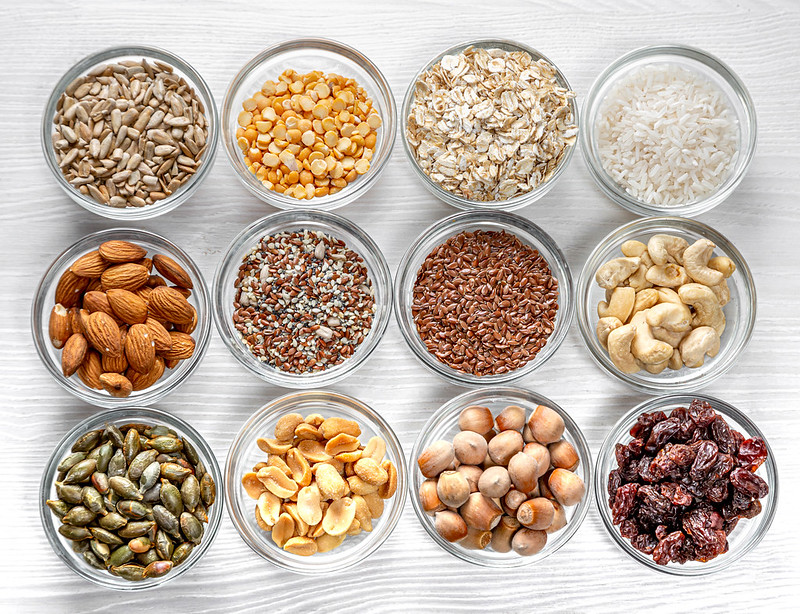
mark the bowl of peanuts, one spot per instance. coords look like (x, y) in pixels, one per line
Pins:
(309, 123)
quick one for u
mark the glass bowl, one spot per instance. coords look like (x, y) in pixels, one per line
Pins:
(443, 424)
(746, 535)
(44, 300)
(456, 200)
(331, 224)
(244, 454)
(109, 56)
(118, 417)
(697, 61)
(529, 234)
(740, 312)
(305, 55)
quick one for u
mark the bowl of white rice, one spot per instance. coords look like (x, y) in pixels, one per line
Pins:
(668, 130)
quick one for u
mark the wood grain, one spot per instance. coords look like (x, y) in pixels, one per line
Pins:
(39, 41)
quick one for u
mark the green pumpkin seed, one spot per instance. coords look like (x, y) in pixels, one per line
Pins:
(208, 490)
(100, 482)
(135, 528)
(81, 546)
(120, 556)
(81, 471)
(69, 492)
(78, 516)
(71, 460)
(92, 559)
(157, 569)
(87, 441)
(182, 553)
(164, 545)
(191, 527)
(74, 533)
(190, 452)
(152, 495)
(59, 507)
(124, 488)
(171, 498)
(112, 521)
(200, 512)
(140, 463)
(159, 430)
(93, 500)
(200, 470)
(105, 536)
(165, 444)
(132, 509)
(117, 464)
(166, 520)
(190, 492)
(145, 558)
(174, 472)
(101, 549)
(104, 454)
(149, 476)
(131, 572)
(132, 445)
(140, 544)
(114, 435)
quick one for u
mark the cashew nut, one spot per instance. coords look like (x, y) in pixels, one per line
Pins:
(676, 362)
(633, 248)
(645, 299)
(707, 310)
(638, 281)
(666, 248)
(644, 346)
(671, 316)
(695, 261)
(722, 292)
(668, 336)
(615, 271)
(702, 341)
(657, 368)
(723, 264)
(667, 275)
(668, 295)
(619, 348)
(620, 304)
(604, 328)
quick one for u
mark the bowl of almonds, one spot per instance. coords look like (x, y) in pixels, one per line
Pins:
(121, 318)
(315, 481)
(130, 132)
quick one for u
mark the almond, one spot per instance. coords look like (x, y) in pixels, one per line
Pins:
(141, 381)
(190, 327)
(73, 314)
(147, 263)
(159, 334)
(128, 307)
(186, 293)
(91, 369)
(95, 284)
(97, 301)
(73, 354)
(172, 271)
(140, 349)
(116, 385)
(114, 365)
(171, 363)
(121, 251)
(89, 265)
(126, 276)
(168, 304)
(69, 289)
(103, 333)
(59, 328)
(155, 280)
(182, 346)
(144, 293)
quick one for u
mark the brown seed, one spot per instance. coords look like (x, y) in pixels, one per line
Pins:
(141, 381)
(116, 385)
(69, 289)
(121, 251)
(128, 276)
(429, 497)
(527, 542)
(103, 333)
(172, 271)
(181, 348)
(159, 335)
(73, 354)
(168, 304)
(450, 526)
(59, 328)
(89, 265)
(140, 349)
(481, 512)
(91, 369)
(477, 419)
(563, 455)
(127, 306)
(505, 445)
(536, 513)
(567, 487)
(436, 458)
(546, 425)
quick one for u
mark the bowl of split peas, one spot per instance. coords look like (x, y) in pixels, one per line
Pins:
(309, 123)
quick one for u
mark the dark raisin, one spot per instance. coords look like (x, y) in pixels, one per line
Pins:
(644, 469)
(668, 548)
(645, 422)
(752, 510)
(738, 440)
(629, 529)
(740, 500)
(721, 433)
(730, 525)
(701, 413)
(661, 532)
(706, 457)
(749, 483)
(752, 453)
(624, 502)
(614, 482)
(675, 494)
(644, 542)
(717, 491)
(661, 434)
(686, 426)
(722, 467)
(680, 454)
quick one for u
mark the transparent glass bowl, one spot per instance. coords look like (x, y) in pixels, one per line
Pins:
(443, 424)
(333, 225)
(740, 312)
(244, 454)
(306, 55)
(44, 300)
(697, 61)
(62, 546)
(109, 56)
(746, 535)
(456, 200)
(433, 236)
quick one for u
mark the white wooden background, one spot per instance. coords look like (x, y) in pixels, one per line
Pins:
(40, 40)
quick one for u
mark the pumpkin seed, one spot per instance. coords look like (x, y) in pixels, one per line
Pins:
(78, 516)
(131, 572)
(69, 492)
(112, 521)
(87, 441)
(147, 557)
(101, 549)
(132, 445)
(191, 527)
(92, 559)
(190, 492)
(59, 507)
(114, 434)
(100, 482)
(165, 444)
(164, 545)
(117, 465)
(132, 509)
(149, 476)
(166, 520)
(135, 528)
(140, 463)
(93, 500)
(171, 498)
(208, 490)
(71, 460)
(74, 533)
(182, 553)
(81, 471)
(105, 536)
(157, 569)
(124, 488)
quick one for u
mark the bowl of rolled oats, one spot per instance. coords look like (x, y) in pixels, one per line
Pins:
(489, 124)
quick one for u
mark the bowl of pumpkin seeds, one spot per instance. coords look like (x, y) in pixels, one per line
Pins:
(131, 498)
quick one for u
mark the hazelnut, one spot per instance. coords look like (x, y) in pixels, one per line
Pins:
(436, 458)
(523, 471)
(513, 500)
(546, 425)
(503, 533)
(544, 488)
(541, 454)
(450, 526)
(494, 482)
(490, 435)
(527, 435)
(505, 445)
(470, 447)
(559, 520)
(429, 498)
(567, 487)
(473, 474)
(512, 418)
(481, 512)
(528, 541)
(563, 455)
(536, 513)
(476, 539)
(477, 419)
(452, 488)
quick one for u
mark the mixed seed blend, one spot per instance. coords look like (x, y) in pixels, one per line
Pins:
(304, 301)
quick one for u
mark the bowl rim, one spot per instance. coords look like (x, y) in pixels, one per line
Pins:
(466, 204)
(286, 404)
(353, 190)
(647, 225)
(158, 416)
(40, 312)
(182, 67)
(376, 266)
(744, 155)
(453, 407)
(605, 458)
(449, 227)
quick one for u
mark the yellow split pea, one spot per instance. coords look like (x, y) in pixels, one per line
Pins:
(308, 135)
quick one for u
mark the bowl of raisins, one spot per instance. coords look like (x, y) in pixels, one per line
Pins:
(686, 484)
